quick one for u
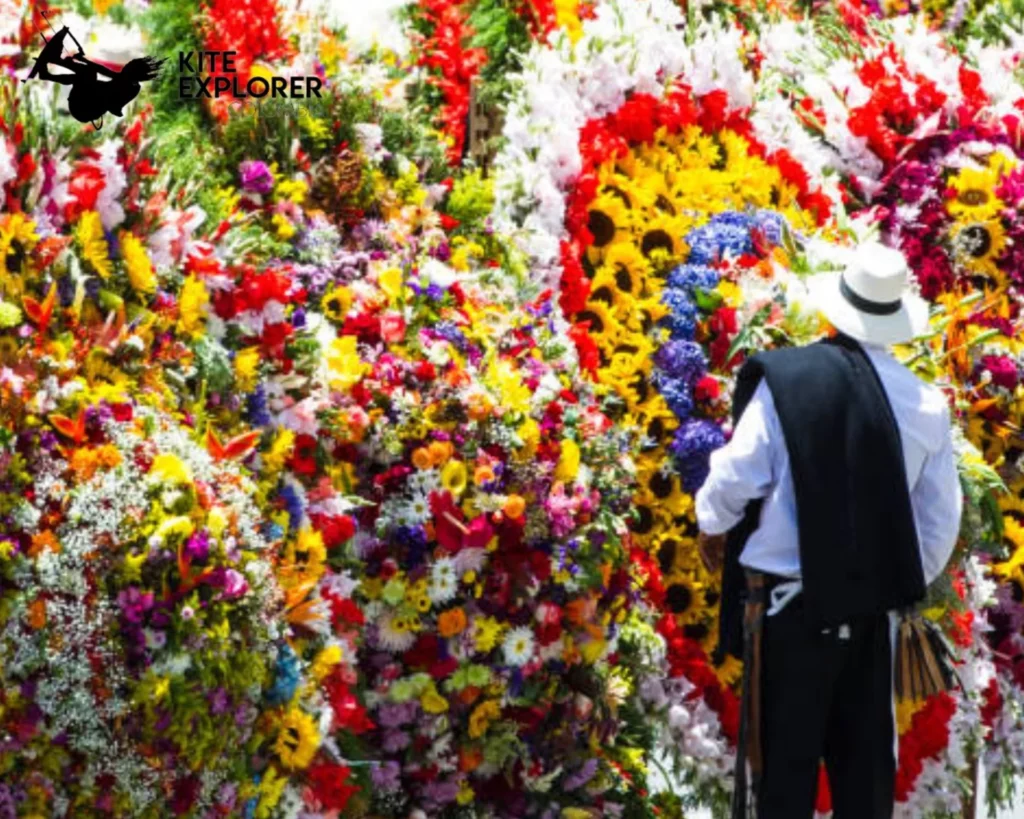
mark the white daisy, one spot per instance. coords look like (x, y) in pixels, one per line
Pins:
(443, 581)
(518, 646)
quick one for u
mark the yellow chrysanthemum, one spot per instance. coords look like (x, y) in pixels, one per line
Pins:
(93, 244)
(297, 740)
(137, 265)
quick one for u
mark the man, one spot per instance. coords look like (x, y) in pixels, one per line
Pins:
(839, 493)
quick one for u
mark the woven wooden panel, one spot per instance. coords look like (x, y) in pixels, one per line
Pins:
(485, 124)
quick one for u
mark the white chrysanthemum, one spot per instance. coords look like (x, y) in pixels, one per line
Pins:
(392, 636)
(518, 646)
(443, 581)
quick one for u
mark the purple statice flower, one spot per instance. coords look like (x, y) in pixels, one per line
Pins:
(256, 176)
(299, 318)
(582, 776)
(682, 359)
(385, 776)
(134, 604)
(691, 447)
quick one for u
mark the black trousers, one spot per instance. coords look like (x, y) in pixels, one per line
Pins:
(826, 696)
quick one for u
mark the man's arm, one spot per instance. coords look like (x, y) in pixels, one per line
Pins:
(741, 471)
(937, 500)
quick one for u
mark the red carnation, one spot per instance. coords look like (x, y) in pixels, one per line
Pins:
(329, 782)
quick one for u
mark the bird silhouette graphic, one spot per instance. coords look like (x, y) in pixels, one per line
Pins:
(95, 89)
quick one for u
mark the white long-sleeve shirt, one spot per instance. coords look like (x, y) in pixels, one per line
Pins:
(755, 464)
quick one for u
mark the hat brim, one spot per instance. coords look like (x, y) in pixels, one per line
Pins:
(909, 322)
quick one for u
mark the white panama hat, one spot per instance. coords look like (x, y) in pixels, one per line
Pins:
(870, 300)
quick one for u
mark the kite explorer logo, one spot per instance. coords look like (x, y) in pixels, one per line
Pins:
(221, 80)
(96, 89)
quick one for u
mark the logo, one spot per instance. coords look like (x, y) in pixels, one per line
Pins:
(95, 89)
(222, 79)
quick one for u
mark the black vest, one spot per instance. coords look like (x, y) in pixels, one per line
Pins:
(859, 553)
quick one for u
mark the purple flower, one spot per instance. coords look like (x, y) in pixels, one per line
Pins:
(235, 584)
(256, 176)
(219, 701)
(197, 547)
(134, 604)
(385, 776)
(682, 359)
(394, 741)
(692, 446)
(582, 776)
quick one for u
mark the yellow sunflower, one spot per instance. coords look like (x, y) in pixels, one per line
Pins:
(297, 739)
(977, 245)
(17, 240)
(93, 244)
(975, 198)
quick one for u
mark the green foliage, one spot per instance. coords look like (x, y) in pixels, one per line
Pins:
(503, 33)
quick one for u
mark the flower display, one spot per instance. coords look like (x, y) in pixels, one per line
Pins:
(344, 478)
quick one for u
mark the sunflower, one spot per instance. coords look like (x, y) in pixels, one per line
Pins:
(609, 213)
(297, 739)
(17, 240)
(662, 235)
(977, 245)
(975, 198)
(656, 420)
(603, 328)
(684, 598)
(729, 672)
(643, 315)
(93, 244)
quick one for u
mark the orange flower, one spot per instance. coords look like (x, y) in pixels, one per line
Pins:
(514, 508)
(440, 451)
(483, 474)
(44, 541)
(469, 694)
(451, 622)
(470, 759)
(580, 610)
(37, 613)
(421, 459)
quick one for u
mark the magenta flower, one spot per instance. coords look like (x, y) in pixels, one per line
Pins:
(256, 176)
